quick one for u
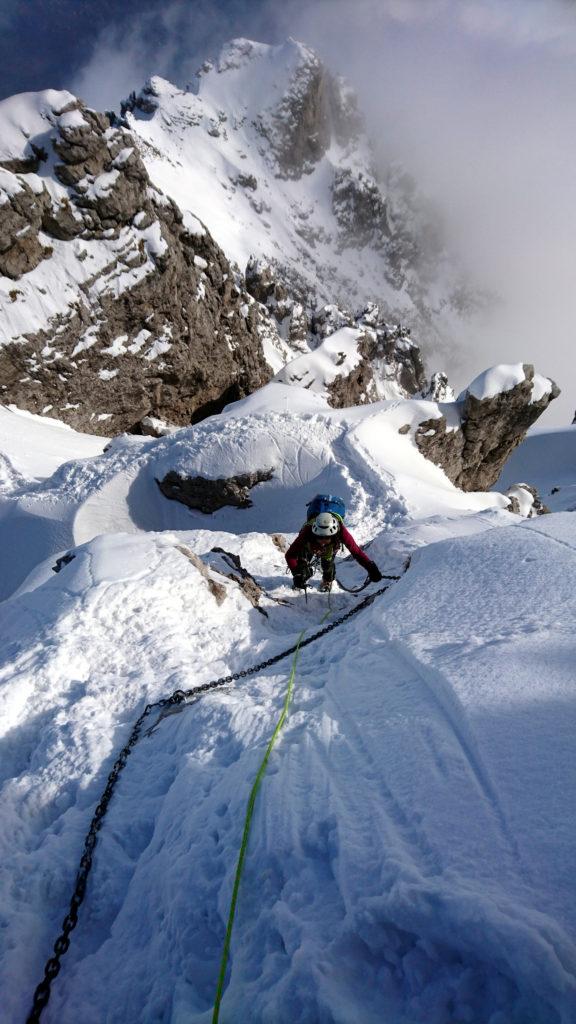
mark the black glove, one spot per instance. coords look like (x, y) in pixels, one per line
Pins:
(302, 575)
(374, 573)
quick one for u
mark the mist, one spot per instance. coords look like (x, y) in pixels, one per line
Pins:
(474, 97)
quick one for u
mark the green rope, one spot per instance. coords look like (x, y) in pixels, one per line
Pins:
(246, 832)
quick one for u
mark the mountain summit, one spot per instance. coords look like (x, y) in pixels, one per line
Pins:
(270, 150)
(164, 262)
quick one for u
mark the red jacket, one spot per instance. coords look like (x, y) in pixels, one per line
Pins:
(305, 547)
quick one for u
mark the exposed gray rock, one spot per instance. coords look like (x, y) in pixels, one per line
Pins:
(388, 363)
(360, 210)
(316, 106)
(28, 164)
(178, 344)
(62, 221)
(284, 314)
(216, 589)
(262, 282)
(229, 565)
(209, 495)
(387, 354)
(247, 181)
(102, 166)
(21, 212)
(472, 454)
(439, 390)
(329, 319)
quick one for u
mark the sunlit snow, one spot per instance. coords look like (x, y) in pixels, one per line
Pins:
(412, 852)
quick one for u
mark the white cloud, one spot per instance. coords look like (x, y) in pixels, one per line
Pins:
(477, 99)
(475, 96)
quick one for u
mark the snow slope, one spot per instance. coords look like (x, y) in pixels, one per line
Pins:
(47, 444)
(358, 453)
(412, 851)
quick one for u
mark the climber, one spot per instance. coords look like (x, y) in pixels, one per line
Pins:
(322, 538)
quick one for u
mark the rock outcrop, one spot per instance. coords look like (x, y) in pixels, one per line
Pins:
(525, 501)
(134, 310)
(439, 389)
(357, 359)
(22, 210)
(360, 210)
(474, 437)
(208, 496)
(315, 108)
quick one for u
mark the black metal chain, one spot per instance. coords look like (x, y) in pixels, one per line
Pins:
(52, 968)
(367, 582)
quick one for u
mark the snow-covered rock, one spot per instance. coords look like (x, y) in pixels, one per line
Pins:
(546, 459)
(474, 436)
(525, 501)
(268, 148)
(113, 305)
(105, 233)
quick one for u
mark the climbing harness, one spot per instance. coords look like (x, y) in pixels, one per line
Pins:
(53, 965)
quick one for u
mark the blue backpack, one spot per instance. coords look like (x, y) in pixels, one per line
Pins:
(326, 503)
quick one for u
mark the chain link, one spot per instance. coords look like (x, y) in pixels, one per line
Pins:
(52, 968)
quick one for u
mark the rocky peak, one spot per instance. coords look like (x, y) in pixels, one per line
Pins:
(309, 105)
(472, 438)
(120, 306)
(270, 151)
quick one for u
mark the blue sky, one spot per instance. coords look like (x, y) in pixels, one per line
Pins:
(45, 43)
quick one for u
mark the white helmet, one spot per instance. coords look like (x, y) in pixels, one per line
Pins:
(325, 525)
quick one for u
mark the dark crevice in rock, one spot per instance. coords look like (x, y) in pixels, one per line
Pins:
(215, 405)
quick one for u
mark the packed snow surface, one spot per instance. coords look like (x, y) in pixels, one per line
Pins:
(412, 851)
